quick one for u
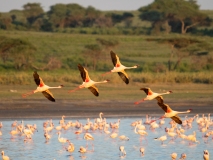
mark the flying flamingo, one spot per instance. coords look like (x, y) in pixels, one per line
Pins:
(150, 95)
(169, 113)
(119, 68)
(44, 89)
(87, 82)
(4, 157)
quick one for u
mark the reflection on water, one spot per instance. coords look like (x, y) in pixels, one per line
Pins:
(105, 148)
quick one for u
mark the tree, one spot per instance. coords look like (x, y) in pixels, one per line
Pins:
(32, 11)
(57, 15)
(18, 50)
(163, 12)
(91, 15)
(94, 52)
(183, 47)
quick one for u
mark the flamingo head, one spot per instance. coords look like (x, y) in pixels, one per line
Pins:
(189, 110)
(170, 92)
(205, 152)
(107, 80)
(136, 66)
(183, 155)
(61, 86)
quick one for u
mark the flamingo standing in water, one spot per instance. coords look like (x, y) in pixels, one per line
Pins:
(87, 82)
(44, 89)
(122, 151)
(205, 155)
(119, 68)
(150, 95)
(89, 137)
(169, 113)
(4, 157)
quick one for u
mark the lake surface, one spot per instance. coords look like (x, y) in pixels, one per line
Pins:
(105, 148)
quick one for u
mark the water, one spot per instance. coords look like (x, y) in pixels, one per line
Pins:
(104, 147)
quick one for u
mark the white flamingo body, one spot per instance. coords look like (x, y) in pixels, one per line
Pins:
(41, 87)
(87, 82)
(119, 68)
(162, 139)
(151, 95)
(61, 139)
(169, 113)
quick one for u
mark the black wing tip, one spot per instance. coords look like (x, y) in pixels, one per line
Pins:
(52, 100)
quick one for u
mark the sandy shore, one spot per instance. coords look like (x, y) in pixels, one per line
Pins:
(42, 108)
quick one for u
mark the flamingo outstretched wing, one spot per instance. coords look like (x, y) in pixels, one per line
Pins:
(124, 76)
(176, 119)
(164, 106)
(146, 90)
(37, 79)
(94, 90)
(159, 99)
(48, 95)
(115, 58)
(84, 73)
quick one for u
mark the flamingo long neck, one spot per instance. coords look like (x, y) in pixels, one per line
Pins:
(54, 87)
(59, 134)
(182, 112)
(100, 82)
(130, 67)
(100, 117)
(135, 129)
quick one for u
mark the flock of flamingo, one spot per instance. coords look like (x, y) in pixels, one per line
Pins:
(101, 125)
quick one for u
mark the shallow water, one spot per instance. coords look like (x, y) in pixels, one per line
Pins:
(104, 147)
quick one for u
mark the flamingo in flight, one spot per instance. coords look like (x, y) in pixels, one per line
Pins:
(169, 113)
(119, 68)
(44, 89)
(150, 95)
(87, 82)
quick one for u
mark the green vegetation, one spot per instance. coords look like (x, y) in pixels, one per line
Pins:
(166, 39)
(161, 16)
(56, 55)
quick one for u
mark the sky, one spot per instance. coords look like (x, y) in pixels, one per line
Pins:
(104, 5)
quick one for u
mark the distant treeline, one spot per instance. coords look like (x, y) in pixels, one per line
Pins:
(179, 16)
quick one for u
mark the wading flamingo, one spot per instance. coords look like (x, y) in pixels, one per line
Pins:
(169, 113)
(89, 137)
(44, 89)
(119, 68)
(87, 82)
(150, 95)
(4, 157)
(122, 151)
(205, 155)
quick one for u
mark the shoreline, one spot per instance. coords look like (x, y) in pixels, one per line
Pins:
(41, 108)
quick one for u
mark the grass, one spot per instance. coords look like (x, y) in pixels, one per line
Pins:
(114, 92)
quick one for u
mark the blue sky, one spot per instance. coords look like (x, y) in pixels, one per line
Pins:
(7, 5)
